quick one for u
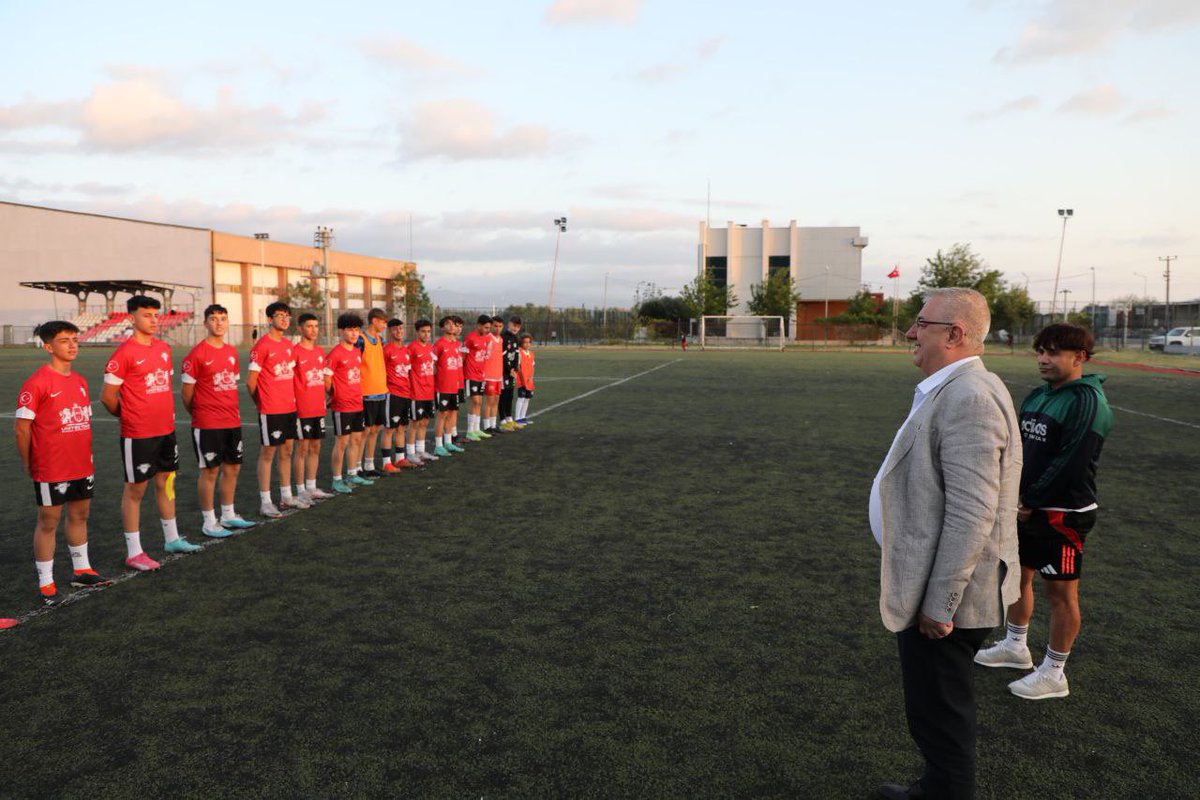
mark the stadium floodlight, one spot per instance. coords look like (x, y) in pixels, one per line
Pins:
(560, 225)
(1066, 214)
(741, 332)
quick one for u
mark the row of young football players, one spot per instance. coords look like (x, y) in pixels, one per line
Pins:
(376, 387)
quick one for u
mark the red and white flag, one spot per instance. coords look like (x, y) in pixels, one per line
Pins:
(895, 273)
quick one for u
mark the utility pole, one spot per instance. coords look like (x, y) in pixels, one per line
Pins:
(560, 226)
(1066, 214)
(262, 266)
(323, 239)
(826, 306)
(1167, 276)
(1064, 293)
(606, 305)
(1093, 314)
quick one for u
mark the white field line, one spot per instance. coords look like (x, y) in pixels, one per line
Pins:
(591, 392)
(580, 378)
(1131, 411)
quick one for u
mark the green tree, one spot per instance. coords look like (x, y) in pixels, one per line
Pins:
(663, 308)
(774, 297)
(304, 294)
(408, 291)
(1011, 308)
(1009, 304)
(863, 308)
(704, 298)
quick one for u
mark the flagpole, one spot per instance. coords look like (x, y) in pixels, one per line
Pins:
(895, 276)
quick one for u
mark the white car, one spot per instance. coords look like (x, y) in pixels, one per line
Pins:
(1181, 340)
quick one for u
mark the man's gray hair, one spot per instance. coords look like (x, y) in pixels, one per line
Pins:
(969, 308)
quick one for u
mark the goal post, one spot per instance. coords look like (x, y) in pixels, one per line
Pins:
(741, 333)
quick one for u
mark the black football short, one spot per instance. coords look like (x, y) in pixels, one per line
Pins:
(275, 429)
(346, 422)
(446, 401)
(56, 493)
(142, 459)
(374, 412)
(475, 388)
(421, 409)
(462, 395)
(397, 410)
(1051, 542)
(216, 446)
(525, 393)
(310, 428)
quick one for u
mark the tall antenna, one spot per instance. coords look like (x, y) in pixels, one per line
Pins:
(708, 206)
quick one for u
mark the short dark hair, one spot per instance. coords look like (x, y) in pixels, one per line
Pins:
(48, 330)
(484, 319)
(141, 301)
(498, 319)
(349, 321)
(457, 319)
(376, 313)
(525, 337)
(305, 317)
(423, 323)
(1064, 336)
(215, 309)
(515, 320)
(276, 307)
(442, 322)
(395, 322)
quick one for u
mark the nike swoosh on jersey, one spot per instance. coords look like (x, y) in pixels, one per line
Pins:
(55, 394)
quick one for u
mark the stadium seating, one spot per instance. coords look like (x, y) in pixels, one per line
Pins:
(117, 328)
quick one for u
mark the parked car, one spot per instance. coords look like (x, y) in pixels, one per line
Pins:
(1182, 340)
(1158, 342)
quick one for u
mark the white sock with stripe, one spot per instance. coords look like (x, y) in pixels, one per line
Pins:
(79, 557)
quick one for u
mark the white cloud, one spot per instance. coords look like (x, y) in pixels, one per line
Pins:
(1102, 100)
(399, 52)
(1029, 102)
(1074, 27)
(568, 12)
(463, 130)
(1150, 114)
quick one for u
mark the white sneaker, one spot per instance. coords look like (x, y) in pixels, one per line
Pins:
(427, 456)
(1041, 684)
(415, 459)
(294, 503)
(269, 511)
(320, 494)
(1004, 654)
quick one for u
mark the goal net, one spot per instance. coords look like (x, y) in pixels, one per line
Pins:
(745, 332)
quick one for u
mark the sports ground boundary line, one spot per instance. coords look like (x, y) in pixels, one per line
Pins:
(591, 392)
(1131, 411)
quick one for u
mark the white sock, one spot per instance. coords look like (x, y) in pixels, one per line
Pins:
(45, 571)
(1017, 634)
(472, 423)
(385, 459)
(210, 518)
(337, 476)
(264, 497)
(170, 532)
(353, 471)
(79, 556)
(300, 491)
(421, 446)
(227, 512)
(285, 493)
(368, 463)
(311, 486)
(133, 543)
(1054, 662)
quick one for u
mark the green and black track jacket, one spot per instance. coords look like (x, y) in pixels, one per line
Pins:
(1063, 431)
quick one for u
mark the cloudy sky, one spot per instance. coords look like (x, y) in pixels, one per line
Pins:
(924, 123)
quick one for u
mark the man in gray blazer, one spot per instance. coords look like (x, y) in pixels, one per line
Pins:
(944, 511)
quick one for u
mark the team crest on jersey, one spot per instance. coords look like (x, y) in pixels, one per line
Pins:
(210, 456)
(225, 381)
(25, 399)
(354, 375)
(158, 381)
(61, 488)
(283, 369)
(187, 365)
(112, 366)
(75, 418)
(314, 377)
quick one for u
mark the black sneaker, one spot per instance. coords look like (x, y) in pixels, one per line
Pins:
(49, 595)
(88, 578)
(371, 473)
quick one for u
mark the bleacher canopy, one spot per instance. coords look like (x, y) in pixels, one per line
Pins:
(110, 289)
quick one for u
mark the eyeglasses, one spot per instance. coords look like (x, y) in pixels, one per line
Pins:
(923, 323)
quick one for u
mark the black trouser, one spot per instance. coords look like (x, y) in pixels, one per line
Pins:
(939, 702)
(505, 409)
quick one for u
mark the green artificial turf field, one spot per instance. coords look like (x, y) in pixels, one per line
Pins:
(665, 589)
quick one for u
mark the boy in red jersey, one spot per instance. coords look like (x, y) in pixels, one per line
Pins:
(525, 366)
(493, 376)
(210, 376)
(399, 404)
(475, 350)
(343, 379)
(462, 378)
(54, 437)
(420, 379)
(448, 361)
(309, 379)
(271, 383)
(137, 388)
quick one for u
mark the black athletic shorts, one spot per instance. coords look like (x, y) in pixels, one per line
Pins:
(374, 412)
(310, 428)
(447, 401)
(275, 429)
(525, 393)
(509, 383)
(345, 422)
(1052, 542)
(216, 446)
(462, 395)
(398, 411)
(421, 409)
(475, 388)
(59, 492)
(142, 459)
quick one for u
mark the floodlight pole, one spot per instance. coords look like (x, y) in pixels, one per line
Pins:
(560, 226)
(323, 238)
(606, 305)
(1167, 276)
(1066, 214)
(1093, 314)
(826, 306)
(262, 262)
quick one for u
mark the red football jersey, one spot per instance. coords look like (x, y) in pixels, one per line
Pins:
(395, 356)
(525, 370)
(448, 377)
(476, 345)
(275, 363)
(494, 367)
(143, 371)
(421, 377)
(215, 373)
(345, 366)
(309, 381)
(61, 411)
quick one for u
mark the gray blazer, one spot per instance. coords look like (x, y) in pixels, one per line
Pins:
(949, 500)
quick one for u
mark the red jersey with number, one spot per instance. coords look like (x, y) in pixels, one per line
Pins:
(525, 370)
(345, 366)
(494, 368)
(420, 379)
(61, 411)
(143, 371)
(448, 374)
(214, 371)
(275, 363)
(309, 380)
(398, 362)
(476, 345)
